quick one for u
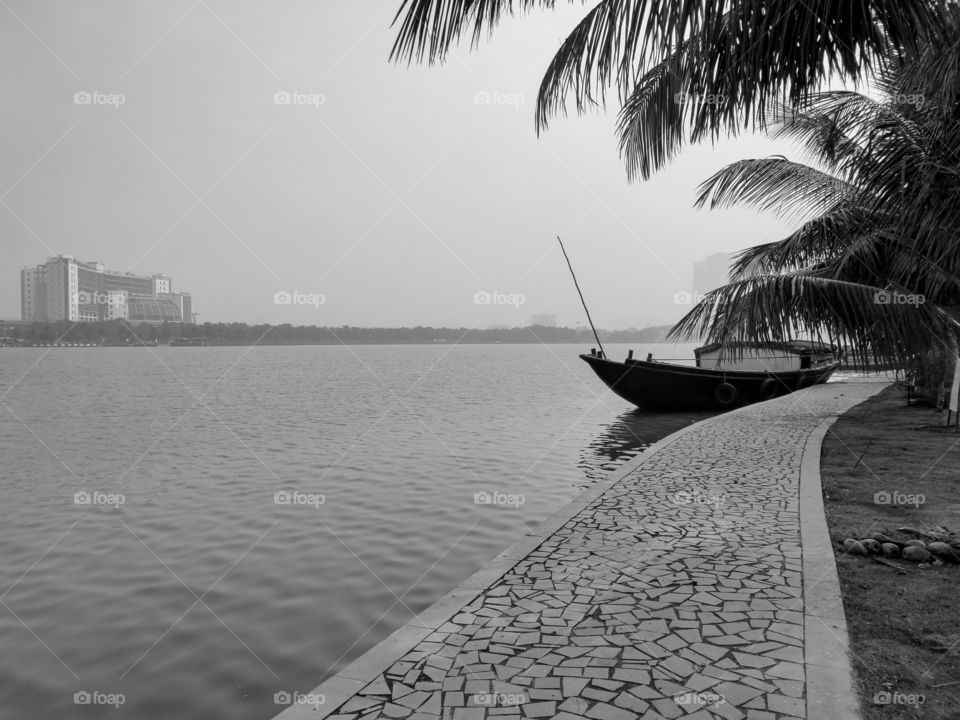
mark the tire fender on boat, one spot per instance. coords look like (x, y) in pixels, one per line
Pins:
(804, 381)
(769, 388)
(725, 394)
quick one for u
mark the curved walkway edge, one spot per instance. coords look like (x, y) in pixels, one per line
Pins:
(698, 582)
(831, 690)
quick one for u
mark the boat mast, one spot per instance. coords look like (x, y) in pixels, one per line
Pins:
(584, 302)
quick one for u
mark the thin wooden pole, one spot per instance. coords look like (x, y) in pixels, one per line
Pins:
(582, 301)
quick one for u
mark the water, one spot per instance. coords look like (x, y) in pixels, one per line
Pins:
(195, 595)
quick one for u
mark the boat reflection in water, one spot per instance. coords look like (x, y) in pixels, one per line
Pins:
(628, 435)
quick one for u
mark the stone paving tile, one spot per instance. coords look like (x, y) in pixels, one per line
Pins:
(675, 594)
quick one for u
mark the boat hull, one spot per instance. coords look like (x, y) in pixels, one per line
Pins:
(665, 387)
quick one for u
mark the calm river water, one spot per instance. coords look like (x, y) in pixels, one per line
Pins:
(146, 555)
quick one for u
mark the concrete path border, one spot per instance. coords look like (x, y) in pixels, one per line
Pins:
(347, 682)
(829, 680)
(831, 690)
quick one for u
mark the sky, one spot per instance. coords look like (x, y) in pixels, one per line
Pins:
(259, 153)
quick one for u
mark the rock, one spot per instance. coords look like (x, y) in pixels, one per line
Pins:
(871, 545)
(941, 549)
(890, 550)
(917, 554)
(924, 566)
(854, 547)
(881, 538)
(937, 563)
(917, 543)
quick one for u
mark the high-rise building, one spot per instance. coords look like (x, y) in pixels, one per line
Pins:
(710, 273)
(33, 293)
(64, 288)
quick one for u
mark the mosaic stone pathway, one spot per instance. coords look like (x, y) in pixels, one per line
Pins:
(678, 593)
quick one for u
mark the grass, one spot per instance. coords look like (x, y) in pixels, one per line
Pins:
(904, 625)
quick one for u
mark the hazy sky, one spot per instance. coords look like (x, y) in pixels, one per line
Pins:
(388, 190)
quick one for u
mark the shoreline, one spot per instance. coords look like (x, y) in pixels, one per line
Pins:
(822, 660)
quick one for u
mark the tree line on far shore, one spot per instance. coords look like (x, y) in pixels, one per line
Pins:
(121, 333)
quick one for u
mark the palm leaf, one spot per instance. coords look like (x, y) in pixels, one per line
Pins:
(791, 190)
(771, 308)
(747, 52)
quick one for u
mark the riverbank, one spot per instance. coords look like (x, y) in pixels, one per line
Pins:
(887, 466)
(678, 587)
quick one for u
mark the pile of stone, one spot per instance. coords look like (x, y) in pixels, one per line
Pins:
(929, 548)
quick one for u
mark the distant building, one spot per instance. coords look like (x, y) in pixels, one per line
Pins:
(64, 288)
(710, 273)
(543, 320)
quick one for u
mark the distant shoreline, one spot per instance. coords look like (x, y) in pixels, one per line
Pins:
(120, 334)
(67, 344)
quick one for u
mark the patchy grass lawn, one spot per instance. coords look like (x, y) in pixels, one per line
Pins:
(904, 625)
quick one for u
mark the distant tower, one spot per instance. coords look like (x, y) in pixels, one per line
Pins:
(710, 273)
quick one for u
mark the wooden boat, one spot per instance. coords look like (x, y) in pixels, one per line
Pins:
(740, 375)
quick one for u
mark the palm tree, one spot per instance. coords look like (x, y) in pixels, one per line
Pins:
(739, 54)
(876, 259)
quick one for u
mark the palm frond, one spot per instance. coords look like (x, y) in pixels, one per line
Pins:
(791, 190)
(772, 308)
(428, 29)
(817, 241)
(651, 123)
